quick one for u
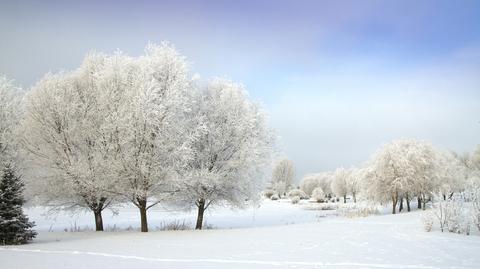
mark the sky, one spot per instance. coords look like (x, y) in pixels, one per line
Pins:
(338, 78)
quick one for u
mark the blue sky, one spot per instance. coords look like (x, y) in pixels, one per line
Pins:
(338, 78)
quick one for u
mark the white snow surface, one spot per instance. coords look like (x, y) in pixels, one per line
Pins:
(383, 241)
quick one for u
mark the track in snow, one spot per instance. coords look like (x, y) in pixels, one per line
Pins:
(226, 261)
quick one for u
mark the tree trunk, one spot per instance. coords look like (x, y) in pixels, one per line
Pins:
(143, 215)
(424, 201)
(201, 210)
(400, 208)
(408, 202)
(98, 220)
(344, 199)
(394, 203)
(354, 197)
(419, 202)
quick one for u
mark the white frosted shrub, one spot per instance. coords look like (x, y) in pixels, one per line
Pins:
(318, 195)
(297, 192)
(269, 193)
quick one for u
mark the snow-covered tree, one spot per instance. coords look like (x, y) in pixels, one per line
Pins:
(15, 228)
(354, 181)
(339, 184)
(309, 183)
(473, 164)
(282, 176)
(70, 143)
(230, 152)
(403, 167)
(452, 175)
(10, 112)
(312, 181)
(114, 129)
(152, 130)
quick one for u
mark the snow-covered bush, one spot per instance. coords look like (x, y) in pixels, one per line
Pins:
(295, 199)
(269, 193)
(427, 220)
(174, 226)
(318, 195)
(454, 215)
(474, 198)
(458, 220)
(320, 206)
(274, 197)
(441, 212)
(357, 210)
(297, 192)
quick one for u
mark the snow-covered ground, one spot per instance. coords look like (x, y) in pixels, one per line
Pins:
(383, 241)
(269, 213)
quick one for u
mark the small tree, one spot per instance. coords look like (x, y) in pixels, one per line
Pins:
(354, 182)
(339, 183)
(14, 225)
(282, 176)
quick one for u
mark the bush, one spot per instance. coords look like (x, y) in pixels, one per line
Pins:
(454, 215)
(274, 197)
(297, 192)
(318, 195)
(174, 226)
(357, 210)
(269, 193)
(322, 206)
(295, 199)
(427, 222)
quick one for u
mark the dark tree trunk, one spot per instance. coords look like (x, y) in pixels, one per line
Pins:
(394, 203)
(98, 220)
(201, 210)
(407, 198)
(97, 207)
(400, 208)
(419, 202)
(344, 199)
(354, 197)
(142, 206)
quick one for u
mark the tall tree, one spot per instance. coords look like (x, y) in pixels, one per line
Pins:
(230, 152)
(10, 112)
(69, 143)
(153, 133)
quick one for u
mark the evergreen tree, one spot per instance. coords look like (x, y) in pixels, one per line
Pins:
(14, 225)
